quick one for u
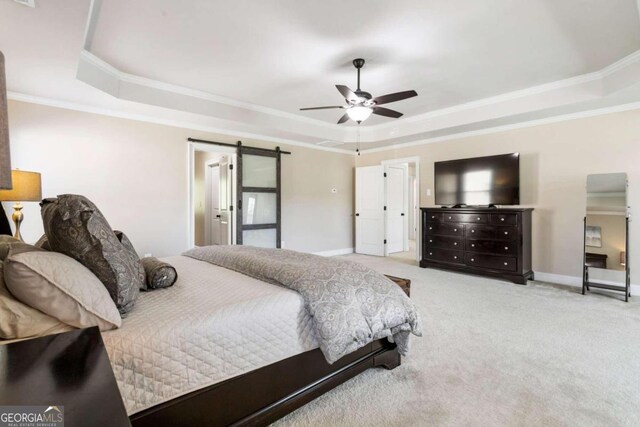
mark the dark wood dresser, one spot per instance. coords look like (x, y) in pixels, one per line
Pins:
(490, 242)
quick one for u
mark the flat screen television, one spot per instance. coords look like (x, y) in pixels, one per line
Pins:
(492, 180)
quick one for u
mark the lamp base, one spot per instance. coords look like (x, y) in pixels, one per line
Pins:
(17, 217)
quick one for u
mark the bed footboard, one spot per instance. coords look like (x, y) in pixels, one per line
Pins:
(262, 396)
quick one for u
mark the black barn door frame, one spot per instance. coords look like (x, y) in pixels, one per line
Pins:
(240, 190)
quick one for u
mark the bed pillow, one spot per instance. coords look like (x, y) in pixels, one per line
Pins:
(43, 243)
(75, 227)
(134, 255)
(159, 274)
(5, 245)
(59, 286)
(18, 320)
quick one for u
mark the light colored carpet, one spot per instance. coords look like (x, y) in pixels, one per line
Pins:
(497, 354)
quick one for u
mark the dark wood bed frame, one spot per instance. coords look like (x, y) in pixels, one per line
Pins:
(267, 394)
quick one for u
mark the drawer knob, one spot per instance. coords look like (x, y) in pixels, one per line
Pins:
(455, 257)
(473, 259)
(430, 253)
(506, 248)
(506, 263)
(478, 218)
(455, 243)
(449, 217)
(501, 219)
(455, 229)
(473, 245)
(431, 241)
(433, 217)
(473, 231)
(430, 228)
(506, 232)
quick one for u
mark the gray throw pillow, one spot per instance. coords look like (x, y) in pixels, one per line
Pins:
(75, 227)
(159, 274)
(132, 251)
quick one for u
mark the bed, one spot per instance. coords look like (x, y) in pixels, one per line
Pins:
(222, 348)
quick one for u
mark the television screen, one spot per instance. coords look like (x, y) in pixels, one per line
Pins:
(479, 181)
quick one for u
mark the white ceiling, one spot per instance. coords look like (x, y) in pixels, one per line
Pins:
(252, 64)
(290, 54)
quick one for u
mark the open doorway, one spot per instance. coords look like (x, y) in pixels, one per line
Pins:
(212, 183)
(387, 206)
(402, 208)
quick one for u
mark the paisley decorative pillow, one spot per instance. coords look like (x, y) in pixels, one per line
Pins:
(75, 227)
(134, 255)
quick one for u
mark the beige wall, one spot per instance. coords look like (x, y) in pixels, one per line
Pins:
(137, 173)
(555, 161)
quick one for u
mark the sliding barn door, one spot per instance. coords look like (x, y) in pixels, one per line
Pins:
(258, 190)
(370, 210)
(226, 190)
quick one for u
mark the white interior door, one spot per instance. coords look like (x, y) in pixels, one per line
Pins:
(225, 213)
(215, 205)
(370, 210)
(396, 218)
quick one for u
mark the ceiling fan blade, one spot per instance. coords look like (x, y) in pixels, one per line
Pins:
(321, 108)
(348, 94)
(381, 111)
(343, 119)
(393, 97)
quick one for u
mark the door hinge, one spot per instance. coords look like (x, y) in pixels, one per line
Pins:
(231, 166)
(240, 204)
(385, 174)
(231, 208)
(385, 208)
(385, 241)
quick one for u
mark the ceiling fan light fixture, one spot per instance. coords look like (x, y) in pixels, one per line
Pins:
(359, 113)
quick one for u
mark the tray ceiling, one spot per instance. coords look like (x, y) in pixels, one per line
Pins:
(249, 66)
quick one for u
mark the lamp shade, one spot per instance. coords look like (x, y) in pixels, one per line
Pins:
(359, 113)
(26, 187)
(5, 156)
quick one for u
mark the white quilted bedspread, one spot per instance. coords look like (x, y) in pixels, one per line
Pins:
(213, 324)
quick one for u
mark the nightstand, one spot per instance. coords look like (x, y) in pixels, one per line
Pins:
(71, 369)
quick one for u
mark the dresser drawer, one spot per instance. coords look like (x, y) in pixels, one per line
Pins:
(479, 231)
(504, 219)
(444, 242)
(491, 261)
(479, 218)
(443, 255)
(506, 233)
(444, 229)
(492, 247)
(433, 216)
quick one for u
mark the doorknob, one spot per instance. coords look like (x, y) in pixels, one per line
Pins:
(217, 216)
(402, 214)
(357, 214)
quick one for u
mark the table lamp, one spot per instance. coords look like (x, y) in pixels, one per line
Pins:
(26, 188)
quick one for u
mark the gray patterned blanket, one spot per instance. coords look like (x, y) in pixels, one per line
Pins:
(351, 304)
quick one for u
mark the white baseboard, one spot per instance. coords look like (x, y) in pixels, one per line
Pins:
(561, 279)
(335, 252)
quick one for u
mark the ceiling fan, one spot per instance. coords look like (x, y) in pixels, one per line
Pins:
(360, 104)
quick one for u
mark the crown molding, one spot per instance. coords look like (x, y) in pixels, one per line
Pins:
(504, 128)
(16, 96)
